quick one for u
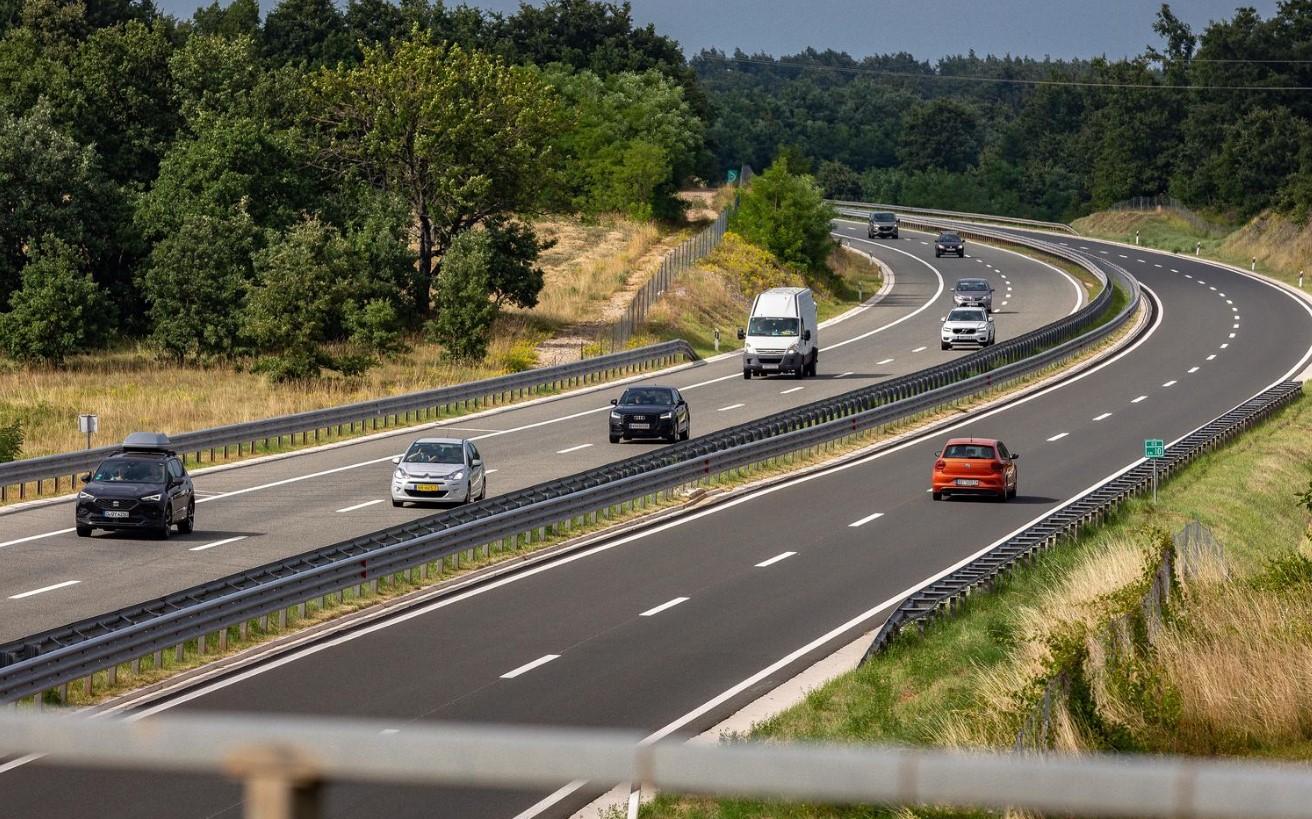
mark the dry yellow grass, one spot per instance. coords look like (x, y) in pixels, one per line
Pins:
(1280, 246)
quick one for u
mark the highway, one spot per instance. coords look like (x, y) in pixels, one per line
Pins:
(665, 629)
(260, 512)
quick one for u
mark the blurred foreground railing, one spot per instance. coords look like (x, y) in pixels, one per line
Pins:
(284, 762)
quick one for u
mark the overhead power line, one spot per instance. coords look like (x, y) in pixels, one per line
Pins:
(881, 72)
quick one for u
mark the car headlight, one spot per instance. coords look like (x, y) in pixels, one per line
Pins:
(153, 497)
(615, 416)
(399, 475)
(455, 476)
(792, 348)
(749, 349)
(84, 495)
(665, 416)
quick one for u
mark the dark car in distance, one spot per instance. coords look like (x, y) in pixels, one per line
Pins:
(882, 224)
(142, 486)
(650, 412)
(949, 243)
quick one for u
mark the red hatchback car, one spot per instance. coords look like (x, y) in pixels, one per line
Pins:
(975, 466)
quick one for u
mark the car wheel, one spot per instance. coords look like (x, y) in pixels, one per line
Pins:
(614, 439)
(937, 254)
(747, 375)
(398, 504)
(84, 531)
(800, 372)
(188, 525)
(687, 431)
(1014, 489)
(945, 345)
(961, 254)
(167, 529)
(895, 234)
(936, 495)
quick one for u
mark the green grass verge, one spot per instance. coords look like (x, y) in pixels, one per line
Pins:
(928, 685)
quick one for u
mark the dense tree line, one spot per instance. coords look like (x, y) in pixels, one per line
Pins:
(302, 190)
(1219, 118)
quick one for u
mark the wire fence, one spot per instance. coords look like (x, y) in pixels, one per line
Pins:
(1165, 203)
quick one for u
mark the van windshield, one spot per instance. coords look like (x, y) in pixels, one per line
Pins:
(761, 326)
(882, 217)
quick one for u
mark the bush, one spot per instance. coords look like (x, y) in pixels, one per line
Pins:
(58, 310)
(785, 213)
(465, 307)
(523, 356)
(374, 325)
(11, 441)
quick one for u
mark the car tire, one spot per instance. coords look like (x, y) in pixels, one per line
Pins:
(938, 496)
(937, 254)
(398, 504)
(84, 531)
(188, 524)
(961, 254)
(1015, 488)
(800, 372)
(747, 375)
(167, 529)
(945, 345)
(813, 366)
(895, 234)
(614, 439)
(687, 431)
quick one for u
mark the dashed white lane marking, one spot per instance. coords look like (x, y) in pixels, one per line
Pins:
(1105, 253)
(775, 559)
(1202, 281)
(226, 540)
(669, 604)
(846, 374)
(863, 521)
(1194, 369)
(1156, 265)
(1058, 436)
(1170, 383)
(1082, 247)
(1005, 303)
(1211, 287)
(568, 450)
(920, 349)
(1003, 275)
(387, 732)
(1140, 261)
(730, 407)
(1222, 295)
(1140, 398)
(1104, 416)
(791, 389)
(1232, 335)
(360, 505)
(1173, 270)
(1212, 356)
(1188, 275)
(543, 660)
(1230, 302)
(1223, 346)
(488, 471)
(1122, 255)
(35, 537)
(44, 589)
(885, 361)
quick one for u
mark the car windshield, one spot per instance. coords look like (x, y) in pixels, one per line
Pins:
(949, 237)
(972, 285)
(971, 451)
(882, 217)
(130, 471)
(966, 315)
(431, 452)
(647, 397)
(772, 327)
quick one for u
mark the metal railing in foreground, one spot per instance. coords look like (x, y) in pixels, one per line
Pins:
(132, 634)
(952, 214)
(284, 763)
(380, 412)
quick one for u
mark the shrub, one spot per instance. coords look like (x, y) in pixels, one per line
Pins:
(466, 310)
(57, 311)
(786, 214)
(11, 440)
(522, 356)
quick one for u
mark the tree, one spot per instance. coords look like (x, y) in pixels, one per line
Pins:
(940, 134)
(460, 135)
(239, 18)
(310, 32)
(464, 325)
(513, 275)
(195, 283)
(57, 311)
(1258, 155)
(785, 213)
(215, 74)
(838, 181)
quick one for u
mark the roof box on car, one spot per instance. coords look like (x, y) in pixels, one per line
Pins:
(148, 442)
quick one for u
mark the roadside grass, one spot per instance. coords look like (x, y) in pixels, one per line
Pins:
(1233, 665)
(128, 677)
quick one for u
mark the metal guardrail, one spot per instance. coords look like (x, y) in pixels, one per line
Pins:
(952, 214)
(427, 403)
(55, 657)
(285, 763)
(1065, 521)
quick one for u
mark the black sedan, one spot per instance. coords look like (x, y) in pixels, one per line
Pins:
(650, 412)
(950, 243)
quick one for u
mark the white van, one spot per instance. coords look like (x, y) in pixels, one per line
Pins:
(781, 335)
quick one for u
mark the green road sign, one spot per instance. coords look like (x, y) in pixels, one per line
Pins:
(1154, 448)
(733, 176)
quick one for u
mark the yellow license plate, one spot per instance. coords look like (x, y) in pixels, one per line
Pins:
(427, 487)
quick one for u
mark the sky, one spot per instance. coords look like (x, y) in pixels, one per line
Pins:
(928, 29)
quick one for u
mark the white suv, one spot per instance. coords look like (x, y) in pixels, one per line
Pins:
(967, 325)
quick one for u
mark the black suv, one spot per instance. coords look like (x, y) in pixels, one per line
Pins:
(882, 223)
(949, 243)
(142, 486)
(650, 412)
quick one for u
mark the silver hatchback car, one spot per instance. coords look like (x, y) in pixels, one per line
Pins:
(439, 470)
(973, 293)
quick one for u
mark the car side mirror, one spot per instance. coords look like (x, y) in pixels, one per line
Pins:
(614, 402)
(938, 453)
(1015, 456)
(397, 459)
(85, 477)
(806, 335)
(742, 334)
(943, 319)
(990, 319)
(476, 462)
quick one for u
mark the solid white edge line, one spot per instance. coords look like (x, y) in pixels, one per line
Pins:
(361, 505)
(44, 589)
(527, 667)
(773, 560)
(668, 604)
(216, 543)
(863, 521)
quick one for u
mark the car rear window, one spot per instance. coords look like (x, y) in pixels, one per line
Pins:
(123, 470)
(970, 451)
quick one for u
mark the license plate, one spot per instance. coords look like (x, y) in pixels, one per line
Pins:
(119, 514)
(769, 366)
(967, 482)
(639, 426)
(427, 487)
